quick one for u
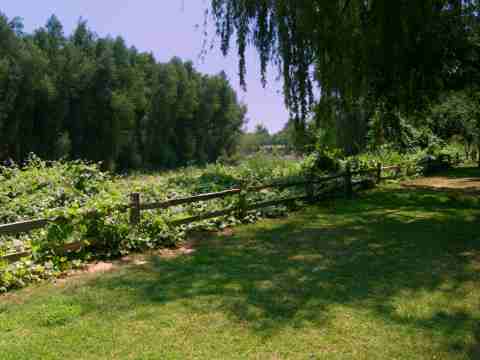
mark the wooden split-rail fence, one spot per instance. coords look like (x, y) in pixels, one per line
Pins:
(136, 206)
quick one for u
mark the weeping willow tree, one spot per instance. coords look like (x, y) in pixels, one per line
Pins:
(353, 53)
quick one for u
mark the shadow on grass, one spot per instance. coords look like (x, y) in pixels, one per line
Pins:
(472, 173)
(367, 253)
(474, 351)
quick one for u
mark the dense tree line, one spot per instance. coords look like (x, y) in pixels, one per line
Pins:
(260, 139)
(360, 56)
(83, 96)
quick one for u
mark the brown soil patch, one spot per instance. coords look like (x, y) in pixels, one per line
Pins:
(15, 298)
(130, 260)
(89, 269)
(174, 253)
(187, 248)
(139, 259)
(99, 267)
(227, 232)
(445, 183)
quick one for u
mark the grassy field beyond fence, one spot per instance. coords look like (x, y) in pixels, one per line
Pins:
(394, 275)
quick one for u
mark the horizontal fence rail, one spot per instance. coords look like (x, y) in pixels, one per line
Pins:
(365, 172)
(328, 178)
(189, 200)
(136, 206)
(205, 216)
(395, 167)
(23, 226)
(269, 203)
(279, 185)
(15, 257)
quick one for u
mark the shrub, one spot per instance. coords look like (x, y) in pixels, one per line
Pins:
(88, 200)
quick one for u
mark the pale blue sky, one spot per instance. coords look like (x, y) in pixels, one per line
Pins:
(167, 28)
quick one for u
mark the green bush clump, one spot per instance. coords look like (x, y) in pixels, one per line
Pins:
(89, 202)
(323, 160)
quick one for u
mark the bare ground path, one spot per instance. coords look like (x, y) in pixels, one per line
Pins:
(466, 180)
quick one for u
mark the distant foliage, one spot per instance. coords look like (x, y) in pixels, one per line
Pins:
(283, 141)
(458, 115)
(86, 97)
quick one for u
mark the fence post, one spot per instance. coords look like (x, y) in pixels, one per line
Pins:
(408, 169)
(134, 209)
(310, 190)
(348, 182)
(398, 173)
(242, 202)
(379, 173)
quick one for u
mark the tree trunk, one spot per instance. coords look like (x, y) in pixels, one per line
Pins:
(478, 155)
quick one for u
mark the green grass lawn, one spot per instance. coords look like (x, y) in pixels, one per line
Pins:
(394, 274)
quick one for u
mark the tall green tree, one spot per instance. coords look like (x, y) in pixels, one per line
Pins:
(83, 96)
(355, 53)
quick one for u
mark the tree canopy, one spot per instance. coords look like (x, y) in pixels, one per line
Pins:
(404, 53)
(83, 96)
